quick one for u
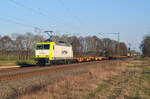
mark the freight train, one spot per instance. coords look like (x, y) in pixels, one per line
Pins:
(60, 52)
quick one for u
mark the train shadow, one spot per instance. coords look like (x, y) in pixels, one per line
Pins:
(23, 65)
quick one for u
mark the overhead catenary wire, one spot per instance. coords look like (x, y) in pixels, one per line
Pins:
(40, 12)
(37, 11)
(27, 7)
(57, 21)
(20, 22)
(16, 22)
(13, 20)
(43, 13)
(69, 11)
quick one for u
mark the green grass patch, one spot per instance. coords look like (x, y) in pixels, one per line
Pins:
(25, 62)
(99, 89)
(9, 61)
(140, 58)
(142, 83)
(17, 62)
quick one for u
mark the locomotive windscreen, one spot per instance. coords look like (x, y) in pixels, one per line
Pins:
(42, 46)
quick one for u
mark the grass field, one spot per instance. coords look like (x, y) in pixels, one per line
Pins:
(7, 63)
(131, 80)
(12, 61)
(16, 62)
(134, 83)
(128, 80)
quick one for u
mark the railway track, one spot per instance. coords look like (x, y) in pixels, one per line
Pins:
(19, 73)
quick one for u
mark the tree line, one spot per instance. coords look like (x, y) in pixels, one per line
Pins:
(22, 46)
(145, 46)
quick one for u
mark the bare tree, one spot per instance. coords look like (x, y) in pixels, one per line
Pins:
(7, 45)
(19, 45)
(145, 45)
(77, 46)
(108, 46)
(111, 47)
(92, 45)
(123, 49)
(25, 44)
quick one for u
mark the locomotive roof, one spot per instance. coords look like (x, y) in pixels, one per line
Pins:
(63, 44)
(57, 43)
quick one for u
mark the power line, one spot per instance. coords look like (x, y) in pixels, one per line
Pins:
(64, 24)
(27, 8)
(30, 9)
(10, 20)
(43, 12)
(37, 11)
(69, 11)
(16, 22)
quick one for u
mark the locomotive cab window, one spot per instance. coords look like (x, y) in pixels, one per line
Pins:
(39, 47)
(42, 47)
(46, 46)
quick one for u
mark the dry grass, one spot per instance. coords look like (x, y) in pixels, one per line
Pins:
(131, 80)
(131, 84)
(78, 86)
(7, 63)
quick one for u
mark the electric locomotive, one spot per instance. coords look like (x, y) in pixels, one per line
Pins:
(52, 52)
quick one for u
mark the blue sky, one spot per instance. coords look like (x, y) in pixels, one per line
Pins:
(88, 17)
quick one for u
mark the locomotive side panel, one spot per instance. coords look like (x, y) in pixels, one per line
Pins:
(62, 52)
